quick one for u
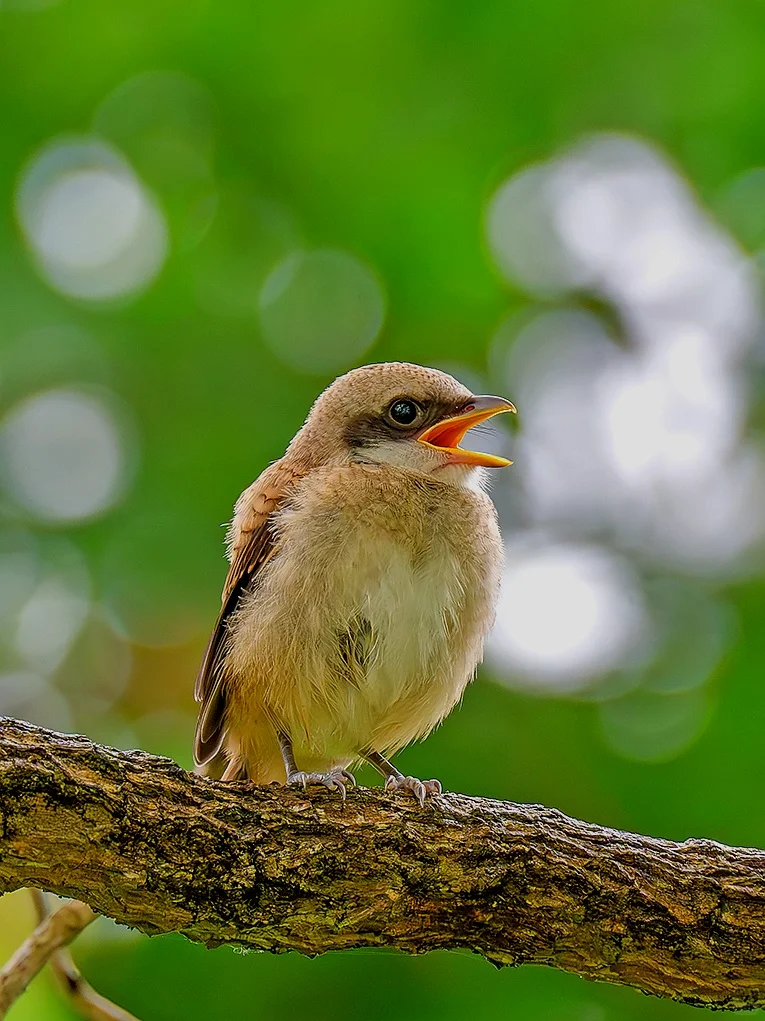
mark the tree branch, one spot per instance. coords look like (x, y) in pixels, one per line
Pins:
(83, 997)
(54, 932)
(155, 847)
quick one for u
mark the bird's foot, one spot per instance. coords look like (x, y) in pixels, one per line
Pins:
(420, 788)
(333, 779)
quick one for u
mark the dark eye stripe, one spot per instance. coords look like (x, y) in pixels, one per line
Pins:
(379, 426)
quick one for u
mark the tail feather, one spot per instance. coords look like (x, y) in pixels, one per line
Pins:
(260, 761)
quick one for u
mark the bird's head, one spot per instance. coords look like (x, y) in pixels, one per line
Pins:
(403, 415)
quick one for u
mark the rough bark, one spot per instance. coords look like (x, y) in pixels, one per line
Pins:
(143, 841)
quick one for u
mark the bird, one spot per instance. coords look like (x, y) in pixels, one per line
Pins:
(364, 573)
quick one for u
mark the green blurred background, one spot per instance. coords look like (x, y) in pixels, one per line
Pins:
(209, 211)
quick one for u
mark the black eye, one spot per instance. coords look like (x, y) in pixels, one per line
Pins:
(404, 412)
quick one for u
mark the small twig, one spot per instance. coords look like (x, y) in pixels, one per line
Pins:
(83, 997)
(50, 935)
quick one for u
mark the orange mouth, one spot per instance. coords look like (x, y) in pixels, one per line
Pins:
(447, 434)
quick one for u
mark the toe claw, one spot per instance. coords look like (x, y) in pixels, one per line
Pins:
(333, 780)
(335, 783)
(419, 788)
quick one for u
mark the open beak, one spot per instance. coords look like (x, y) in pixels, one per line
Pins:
(447, 434)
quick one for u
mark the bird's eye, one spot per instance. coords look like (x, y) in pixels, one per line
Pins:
(404, 411)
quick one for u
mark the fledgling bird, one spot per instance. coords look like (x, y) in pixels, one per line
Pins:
(364, 575)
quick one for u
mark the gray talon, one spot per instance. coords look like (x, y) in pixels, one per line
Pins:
(333, 780)
(419, 788)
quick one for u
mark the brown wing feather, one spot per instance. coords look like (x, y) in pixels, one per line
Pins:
(250, 545)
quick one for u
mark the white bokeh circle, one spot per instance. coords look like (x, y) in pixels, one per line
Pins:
(95, 231)
(62, 455)
(567, 615)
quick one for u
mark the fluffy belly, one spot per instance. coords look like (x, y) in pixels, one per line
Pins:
(388, 678)
(371, 655)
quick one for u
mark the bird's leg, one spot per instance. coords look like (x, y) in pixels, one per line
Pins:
(396, 781)
(336, 779)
